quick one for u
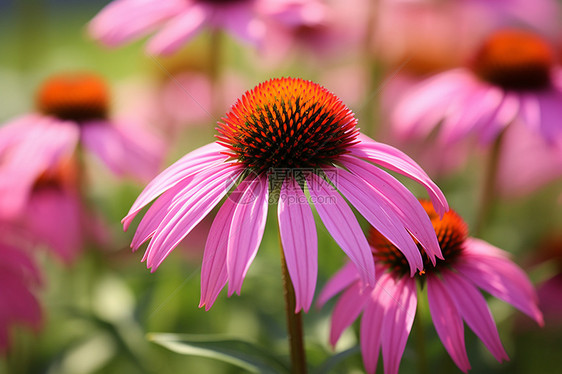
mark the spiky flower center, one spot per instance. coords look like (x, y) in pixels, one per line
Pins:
(288, 123)
(515, 60)
(76, 97)
(451, 233)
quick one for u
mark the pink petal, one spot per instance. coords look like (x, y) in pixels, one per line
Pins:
(447, 322)
(474, 310)
(399, 317)
(124, 20)
(192, 205)
(124, 151)
(214, 273)
(300, 243)
(178, 30)
(246, 232)
(506, 113)
(241, 21)
(501, 278)
(347, 309)
(393, 159)
(341, 280)
(40, 147)
(208, 156)
(342, 225)
(404, 203)
(374, 314)
(550, 113)
(376, 209)
(54, 217)
(421, 110)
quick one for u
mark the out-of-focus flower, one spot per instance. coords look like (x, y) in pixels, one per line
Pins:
(73, 109)
(19, 279)
(283, 135)
(308, 26)
(389, 307)
(177, 20)
(512, 78)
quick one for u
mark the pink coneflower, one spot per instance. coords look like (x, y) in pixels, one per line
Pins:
(19, 277)
(452, 285)
(72, 110)
(281, 136)
(513, 77)
(178, 20)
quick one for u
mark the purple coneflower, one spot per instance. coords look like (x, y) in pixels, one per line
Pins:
(389, 307)
(513, 77)
(72, 110)
(178, 20)
(281, 138)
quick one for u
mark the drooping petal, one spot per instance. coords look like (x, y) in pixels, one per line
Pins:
(53, 217)
(347, 309)
(240, 20)
(506, 113)
(178, 30)
(426, 104)
(376, 209)
(342, 225)
(341, 280)
(501, 278)
(550, 112)
(300, 243)
(189, 209)
(208, 156)
(405, 204)
(47, 142)
(395, 160)
(372, 322)
(246, 231)
(125, 151)
(124, 20)
(214, 273)
(398, 321)
(474, 310)
(447, 321)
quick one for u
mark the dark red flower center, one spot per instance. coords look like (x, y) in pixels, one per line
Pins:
(515, 60)
(76, 97)
(451, 233)
(287, 123)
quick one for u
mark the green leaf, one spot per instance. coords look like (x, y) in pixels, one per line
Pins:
(236, 352)
(336, 359)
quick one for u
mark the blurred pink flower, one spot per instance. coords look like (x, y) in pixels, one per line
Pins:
(19, 279)
(73, 110)
(177, 20)
(389, 307)
(513, 78)
(281, 135)
(305, 26)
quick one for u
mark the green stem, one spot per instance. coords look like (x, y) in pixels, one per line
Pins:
(420, 336)
(488, 194)
(294, 321)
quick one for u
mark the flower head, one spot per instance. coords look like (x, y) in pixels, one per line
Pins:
(283, 137)
(452, 284)
(178, 20)
(513, 77)
(71, 109)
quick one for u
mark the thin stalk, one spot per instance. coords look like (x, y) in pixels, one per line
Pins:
(294, 321)
(488, 194)
(419, 332)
